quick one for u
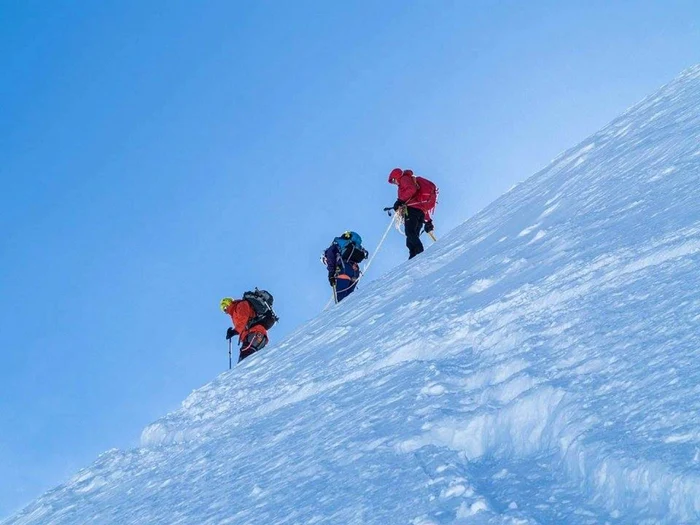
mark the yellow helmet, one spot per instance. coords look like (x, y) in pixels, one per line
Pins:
(225, 303)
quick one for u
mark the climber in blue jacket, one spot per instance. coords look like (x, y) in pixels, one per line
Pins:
(342, 259)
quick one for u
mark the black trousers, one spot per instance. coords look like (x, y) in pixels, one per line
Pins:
(413, 224)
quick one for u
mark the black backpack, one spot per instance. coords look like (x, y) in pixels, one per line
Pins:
(261, 301)
(354, 253)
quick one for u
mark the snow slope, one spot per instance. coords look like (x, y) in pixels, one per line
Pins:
(539, 364)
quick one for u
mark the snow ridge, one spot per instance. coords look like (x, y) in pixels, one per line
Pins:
(537, 365)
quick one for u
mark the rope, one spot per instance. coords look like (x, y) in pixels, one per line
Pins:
(376, 251)
(330, 302)
(400, 222)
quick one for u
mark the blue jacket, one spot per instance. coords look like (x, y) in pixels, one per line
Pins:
(334, 262)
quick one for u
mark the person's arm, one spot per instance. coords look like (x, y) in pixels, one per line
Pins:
(407, 188)
(332, 259)
(242, 313)
(331, 255)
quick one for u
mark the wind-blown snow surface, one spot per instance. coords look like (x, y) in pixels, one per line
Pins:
(540, 364)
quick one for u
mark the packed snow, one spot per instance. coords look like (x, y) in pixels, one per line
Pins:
(539, 364)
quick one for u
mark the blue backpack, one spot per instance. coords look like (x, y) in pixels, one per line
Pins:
(350, 245)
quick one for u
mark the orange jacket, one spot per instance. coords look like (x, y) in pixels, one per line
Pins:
(241, 313)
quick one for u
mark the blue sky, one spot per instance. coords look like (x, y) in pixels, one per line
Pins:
(156, 156)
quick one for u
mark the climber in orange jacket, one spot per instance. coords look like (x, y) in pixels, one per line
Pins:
(252, 317)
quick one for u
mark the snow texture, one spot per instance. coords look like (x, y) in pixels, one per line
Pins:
(539, 364)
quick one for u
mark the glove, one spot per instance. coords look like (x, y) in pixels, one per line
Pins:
(398, 204)
(429, 227)
(331, 279)
(231, 333)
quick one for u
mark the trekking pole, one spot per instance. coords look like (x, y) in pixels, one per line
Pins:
(335, 295)
(229, 354)
(432, 236)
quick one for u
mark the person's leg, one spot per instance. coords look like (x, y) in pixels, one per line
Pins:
(413, 223)
(245, 353)
(253, 341)
(343, 288)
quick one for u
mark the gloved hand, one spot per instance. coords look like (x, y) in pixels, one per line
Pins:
(331, 279)
(429, 227)
(231, 333)
(398, 204)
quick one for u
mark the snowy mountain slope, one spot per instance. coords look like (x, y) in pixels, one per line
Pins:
(540, 364)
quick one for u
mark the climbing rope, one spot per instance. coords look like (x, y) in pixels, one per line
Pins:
(400, 219)
(376, 251)
(331, 301)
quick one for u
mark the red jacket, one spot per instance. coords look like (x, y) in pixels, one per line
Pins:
(417, 192)
(241, 313)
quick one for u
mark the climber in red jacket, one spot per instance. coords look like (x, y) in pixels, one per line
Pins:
(416, 202)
